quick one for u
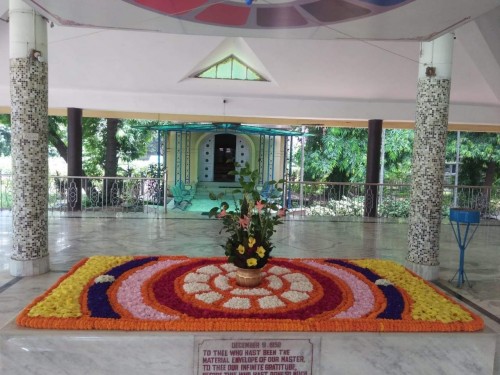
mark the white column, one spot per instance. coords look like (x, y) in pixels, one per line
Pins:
(27, 31)
(29, 120)
(431, 126)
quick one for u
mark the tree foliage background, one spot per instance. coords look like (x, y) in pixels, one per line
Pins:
(331, 154)
(129, 142)
(479, 156)
(4, 135)
(339, 155)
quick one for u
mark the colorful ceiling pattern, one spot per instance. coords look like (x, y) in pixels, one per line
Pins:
(271, 14)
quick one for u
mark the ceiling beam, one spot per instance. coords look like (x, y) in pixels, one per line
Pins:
(263, 121)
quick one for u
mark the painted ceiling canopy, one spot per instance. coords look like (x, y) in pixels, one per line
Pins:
(283, 19)
(269, 14)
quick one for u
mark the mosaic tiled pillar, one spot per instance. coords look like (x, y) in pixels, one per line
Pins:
(29, 108)
(431, 126)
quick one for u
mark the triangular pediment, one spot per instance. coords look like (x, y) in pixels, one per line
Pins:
(232, 68)
(233, 59)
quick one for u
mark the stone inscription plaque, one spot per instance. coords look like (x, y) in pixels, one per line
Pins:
(31, 136)
(255, 357)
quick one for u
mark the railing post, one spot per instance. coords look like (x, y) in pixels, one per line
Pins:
(285, 183)
(289, 191)
(1, 192)
(165, 179)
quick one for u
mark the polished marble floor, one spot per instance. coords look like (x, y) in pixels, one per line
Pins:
(73, 238)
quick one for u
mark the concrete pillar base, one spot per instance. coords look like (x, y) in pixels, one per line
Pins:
(424, 271)
(32, 267)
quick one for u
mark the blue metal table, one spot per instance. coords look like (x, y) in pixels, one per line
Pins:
(463, 218)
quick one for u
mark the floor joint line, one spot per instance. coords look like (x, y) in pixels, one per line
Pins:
(468, 302)
(9, 283)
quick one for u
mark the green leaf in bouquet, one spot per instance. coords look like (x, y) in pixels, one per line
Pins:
(213, 212)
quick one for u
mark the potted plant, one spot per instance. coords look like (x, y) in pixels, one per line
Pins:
(250, 225)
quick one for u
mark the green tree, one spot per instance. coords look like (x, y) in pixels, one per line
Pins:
(339, 155)
(5, 135)
(58, 136)
(335, 154)
(479, 156)
(106, 142)
(398, 148)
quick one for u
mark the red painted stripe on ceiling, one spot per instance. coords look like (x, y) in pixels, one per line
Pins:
(225, 14)
(171, 6)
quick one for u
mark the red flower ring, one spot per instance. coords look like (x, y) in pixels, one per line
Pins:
(285, 293)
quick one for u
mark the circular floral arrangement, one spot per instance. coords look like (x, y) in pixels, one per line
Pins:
(180, 293)
(283, 292)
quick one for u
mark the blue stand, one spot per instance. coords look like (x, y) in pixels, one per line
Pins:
(466, 217)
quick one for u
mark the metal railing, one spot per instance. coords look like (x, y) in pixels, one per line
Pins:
(346, 199)
(99, 195)
(381, 200)
(104, 195)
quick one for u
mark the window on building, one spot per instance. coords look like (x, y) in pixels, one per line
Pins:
(230, 68)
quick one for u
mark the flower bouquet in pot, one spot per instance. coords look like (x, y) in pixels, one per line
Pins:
(250, 225)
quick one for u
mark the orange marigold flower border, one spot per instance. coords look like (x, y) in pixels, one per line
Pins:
(177, 293)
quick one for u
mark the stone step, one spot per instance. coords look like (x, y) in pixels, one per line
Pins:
(116, 352)
(203, 189)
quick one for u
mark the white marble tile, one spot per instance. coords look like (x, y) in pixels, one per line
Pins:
(106, 354)
(410, 354)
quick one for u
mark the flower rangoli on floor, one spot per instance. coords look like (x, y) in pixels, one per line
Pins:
(197, 294)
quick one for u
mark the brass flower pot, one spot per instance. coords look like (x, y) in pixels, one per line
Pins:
(248, 277)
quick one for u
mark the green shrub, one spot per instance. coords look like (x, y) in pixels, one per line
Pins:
(346, 206)
(399, 208)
